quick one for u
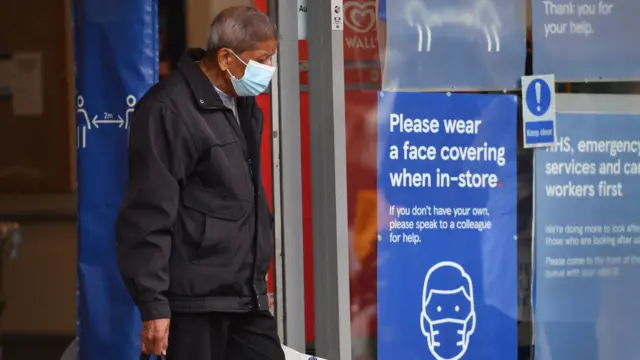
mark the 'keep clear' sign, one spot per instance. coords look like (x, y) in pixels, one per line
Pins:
(447, 194)
(539, 110)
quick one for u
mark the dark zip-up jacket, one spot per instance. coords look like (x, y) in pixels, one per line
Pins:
(194, 231)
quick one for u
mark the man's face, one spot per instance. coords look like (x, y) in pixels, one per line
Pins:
(262, 54)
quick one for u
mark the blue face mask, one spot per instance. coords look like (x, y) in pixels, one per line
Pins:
(255, 80)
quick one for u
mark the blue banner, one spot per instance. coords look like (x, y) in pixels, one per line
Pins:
(464, 44)
(589, 39)
(116, 53)
(587, 236)
(447, 250)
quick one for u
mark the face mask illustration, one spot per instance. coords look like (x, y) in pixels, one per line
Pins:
(448, 316)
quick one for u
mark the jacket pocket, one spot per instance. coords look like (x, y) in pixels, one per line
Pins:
(225, 220)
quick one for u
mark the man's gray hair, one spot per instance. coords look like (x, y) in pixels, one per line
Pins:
(240, 28)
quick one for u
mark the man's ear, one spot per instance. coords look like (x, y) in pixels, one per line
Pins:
(224, 58)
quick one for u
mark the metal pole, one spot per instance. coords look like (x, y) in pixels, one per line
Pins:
(329, 179)
(285, 103)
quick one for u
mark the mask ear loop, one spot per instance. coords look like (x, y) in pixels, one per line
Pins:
(237, 57)
(431, 342)
(423, 318)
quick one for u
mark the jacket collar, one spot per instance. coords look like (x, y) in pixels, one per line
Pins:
(203, 91)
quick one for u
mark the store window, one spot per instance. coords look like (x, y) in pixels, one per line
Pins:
(463, 244)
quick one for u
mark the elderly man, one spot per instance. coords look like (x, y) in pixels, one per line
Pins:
(194, 232)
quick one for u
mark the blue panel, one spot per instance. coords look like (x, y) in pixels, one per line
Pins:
(116, 52)
(463, 44)
(447, 254)
(382, 10)
(587, 280)
(586, 40)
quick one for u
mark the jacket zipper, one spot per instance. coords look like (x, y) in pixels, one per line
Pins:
(256, 237)
(258, 247)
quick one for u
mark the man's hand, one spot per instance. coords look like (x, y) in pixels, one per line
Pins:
(155, 336)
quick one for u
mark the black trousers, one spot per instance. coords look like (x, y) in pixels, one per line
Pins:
(224, 336)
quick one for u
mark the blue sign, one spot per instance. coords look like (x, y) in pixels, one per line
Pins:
(116, 54)
(464, 44)
(591, 40)
(382, 10)
(587, 237)
(538, 97)
(539, 110)
(447, 268)
(539, 133)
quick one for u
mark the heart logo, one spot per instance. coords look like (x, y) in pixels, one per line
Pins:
(360, 16)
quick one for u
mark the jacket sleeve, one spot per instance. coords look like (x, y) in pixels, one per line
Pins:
(160, 154)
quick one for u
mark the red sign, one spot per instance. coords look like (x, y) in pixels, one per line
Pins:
(360, 33)
(360, 45)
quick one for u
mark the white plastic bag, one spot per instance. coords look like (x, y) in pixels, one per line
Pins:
(290, 354)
